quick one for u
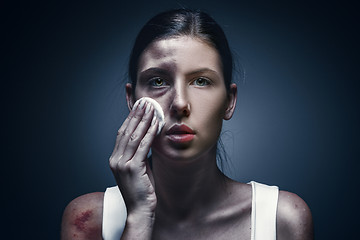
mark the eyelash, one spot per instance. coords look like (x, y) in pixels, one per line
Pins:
(152, 82)
(206, 81)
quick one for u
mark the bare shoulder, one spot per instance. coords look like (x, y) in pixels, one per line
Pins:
(294, 220)
(82, 218)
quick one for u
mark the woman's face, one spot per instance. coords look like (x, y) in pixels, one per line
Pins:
(185, 76)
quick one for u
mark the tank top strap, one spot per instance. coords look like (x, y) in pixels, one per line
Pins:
(263, 213)
(114, 214)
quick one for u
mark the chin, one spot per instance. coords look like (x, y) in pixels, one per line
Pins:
(176, 155)
(182, 152)
(181, 155)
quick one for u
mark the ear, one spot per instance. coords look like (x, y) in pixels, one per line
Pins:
(129, 96)
(232, 97)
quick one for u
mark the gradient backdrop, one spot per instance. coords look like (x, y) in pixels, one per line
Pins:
(296, 123)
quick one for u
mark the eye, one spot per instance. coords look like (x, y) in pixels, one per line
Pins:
(201, 82)
(157, 82)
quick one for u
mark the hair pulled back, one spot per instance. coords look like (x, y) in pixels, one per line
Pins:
(182, 22)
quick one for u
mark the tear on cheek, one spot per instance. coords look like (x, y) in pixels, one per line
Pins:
(82, 219)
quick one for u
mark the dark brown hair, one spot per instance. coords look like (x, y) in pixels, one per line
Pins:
(182, 22)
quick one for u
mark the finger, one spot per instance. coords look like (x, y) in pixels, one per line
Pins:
(140, 155)
(139, 133)
(130, 138)
(124, 136)
(121, 131)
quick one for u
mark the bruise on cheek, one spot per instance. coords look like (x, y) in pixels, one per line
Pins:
(81, 219)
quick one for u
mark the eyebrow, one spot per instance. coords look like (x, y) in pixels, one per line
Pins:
(157, 70)
(203, 70)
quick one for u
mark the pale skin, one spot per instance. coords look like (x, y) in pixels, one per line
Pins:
(184, 196)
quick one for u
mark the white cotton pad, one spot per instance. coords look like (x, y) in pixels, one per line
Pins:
(158, 113)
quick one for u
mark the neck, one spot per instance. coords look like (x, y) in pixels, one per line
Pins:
(184, 187)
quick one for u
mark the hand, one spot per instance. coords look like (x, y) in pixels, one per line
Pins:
(129, 164)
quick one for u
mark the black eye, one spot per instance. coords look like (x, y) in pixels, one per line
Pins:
(157, 82)
(201, 82)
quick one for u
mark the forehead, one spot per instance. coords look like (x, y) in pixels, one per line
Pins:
(181, 54)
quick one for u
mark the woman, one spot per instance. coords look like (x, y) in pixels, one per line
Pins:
(182, 60)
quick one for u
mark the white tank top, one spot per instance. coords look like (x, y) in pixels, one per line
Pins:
(263, 212)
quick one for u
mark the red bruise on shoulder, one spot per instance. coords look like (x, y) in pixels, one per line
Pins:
(80, 220)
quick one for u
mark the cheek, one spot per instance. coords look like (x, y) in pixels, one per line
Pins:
(209, 104)
(209, 118)
(162, 96)
(139, 92)
(208, 112)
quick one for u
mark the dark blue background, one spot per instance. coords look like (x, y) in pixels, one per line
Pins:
(296, 123)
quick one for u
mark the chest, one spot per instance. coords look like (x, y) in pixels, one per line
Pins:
(231, 227)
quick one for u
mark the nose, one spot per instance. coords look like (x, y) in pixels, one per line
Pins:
(180, 106)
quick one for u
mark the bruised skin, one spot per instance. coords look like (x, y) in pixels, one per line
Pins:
(82, 218)
(179, 62)
(193, 201)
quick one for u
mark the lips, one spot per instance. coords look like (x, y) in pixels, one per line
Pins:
(180, 133)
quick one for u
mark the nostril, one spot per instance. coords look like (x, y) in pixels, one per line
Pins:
(180, 110)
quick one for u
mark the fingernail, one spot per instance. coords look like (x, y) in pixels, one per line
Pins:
(135, 105)
(153, 120)
(148, 107)
(142, 103)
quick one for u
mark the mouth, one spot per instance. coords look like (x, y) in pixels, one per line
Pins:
(180, 133)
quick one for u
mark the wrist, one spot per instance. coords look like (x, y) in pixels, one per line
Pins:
(140, 217)
(139, 225)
